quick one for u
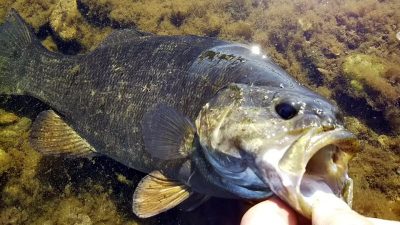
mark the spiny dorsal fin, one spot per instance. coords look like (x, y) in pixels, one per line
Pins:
(167, 134)
(52, 136)
(156, 194)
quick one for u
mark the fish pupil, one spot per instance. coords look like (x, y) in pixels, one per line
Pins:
(286, 110)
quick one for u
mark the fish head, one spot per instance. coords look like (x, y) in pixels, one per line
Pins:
(292, 141)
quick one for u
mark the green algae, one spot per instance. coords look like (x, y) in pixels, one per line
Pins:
(368, 75)
(371, 70)
(356, 85)
(361, 65)
(320, 43)
(29, 197)
(5, 161)
(7, 118)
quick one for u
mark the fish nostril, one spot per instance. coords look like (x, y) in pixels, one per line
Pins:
(328, 125)
(335, 158)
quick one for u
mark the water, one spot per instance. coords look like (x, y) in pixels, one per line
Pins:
(346, 50)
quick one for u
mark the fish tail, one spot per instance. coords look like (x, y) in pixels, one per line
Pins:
(16, 41)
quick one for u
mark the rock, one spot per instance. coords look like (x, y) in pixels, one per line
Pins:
(5, 161)
(370, 70)
(7, 118)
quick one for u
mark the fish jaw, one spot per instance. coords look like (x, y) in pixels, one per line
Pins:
(313, 166)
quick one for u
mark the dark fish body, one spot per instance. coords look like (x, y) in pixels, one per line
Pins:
(107, 97)
(104, 94)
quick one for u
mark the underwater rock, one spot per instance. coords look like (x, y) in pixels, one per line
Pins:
(35, 12)
(7, 118)
(371, 70)
(80, 210)
(5, 161)
(65, 19)
(69, 24)
(49, 44)
(28, 196)
(378, 81)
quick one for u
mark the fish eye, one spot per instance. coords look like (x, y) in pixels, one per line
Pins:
(286, 110)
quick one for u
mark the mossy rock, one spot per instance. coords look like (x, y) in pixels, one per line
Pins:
(360, 66)
(7, 118)
(374, 72)
(5, 161)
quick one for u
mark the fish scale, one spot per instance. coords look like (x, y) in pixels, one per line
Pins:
(198, 115)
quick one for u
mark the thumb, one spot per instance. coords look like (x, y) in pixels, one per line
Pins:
(330, 210)
(271, 211)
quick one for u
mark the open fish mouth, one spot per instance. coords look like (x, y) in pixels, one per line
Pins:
(314, 165)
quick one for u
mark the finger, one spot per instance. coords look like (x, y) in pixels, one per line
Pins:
(333, 211)
(376, 221)
(340, 217)
(271, 211)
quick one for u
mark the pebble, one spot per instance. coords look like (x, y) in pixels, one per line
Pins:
(398, 35)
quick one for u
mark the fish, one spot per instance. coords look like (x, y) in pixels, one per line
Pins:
(202, 117)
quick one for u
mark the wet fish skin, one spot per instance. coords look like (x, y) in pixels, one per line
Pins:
(105, 95)
(110, 88)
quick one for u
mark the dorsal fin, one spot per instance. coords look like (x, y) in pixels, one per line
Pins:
(167, 134)
(156, 194)
(52, 136)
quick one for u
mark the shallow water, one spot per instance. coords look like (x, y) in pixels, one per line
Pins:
(345, 50)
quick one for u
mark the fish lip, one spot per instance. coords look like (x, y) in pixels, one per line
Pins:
(288, 177)
(344, 146)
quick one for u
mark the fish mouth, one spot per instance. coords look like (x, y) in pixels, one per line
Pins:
(314, 165)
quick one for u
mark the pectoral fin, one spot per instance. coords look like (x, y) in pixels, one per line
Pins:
(52, 136)
(167, 134)
(156, 194)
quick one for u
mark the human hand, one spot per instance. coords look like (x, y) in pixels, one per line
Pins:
(328, 211)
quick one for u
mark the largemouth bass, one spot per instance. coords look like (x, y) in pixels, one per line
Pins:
(203, 117)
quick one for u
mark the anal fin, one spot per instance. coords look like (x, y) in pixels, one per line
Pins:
(156, 194)
(50, 135)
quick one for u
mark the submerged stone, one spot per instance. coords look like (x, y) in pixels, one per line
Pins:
(7, 118)
(373, 72)
(361, 66)
(5, 161)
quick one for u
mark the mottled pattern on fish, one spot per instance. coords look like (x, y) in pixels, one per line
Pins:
(104, 94)
(203, 117)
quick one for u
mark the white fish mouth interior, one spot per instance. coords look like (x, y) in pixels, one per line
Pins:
(325, 173)
(311, 168)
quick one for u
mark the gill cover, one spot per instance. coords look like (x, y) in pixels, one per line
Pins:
(230, 126)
